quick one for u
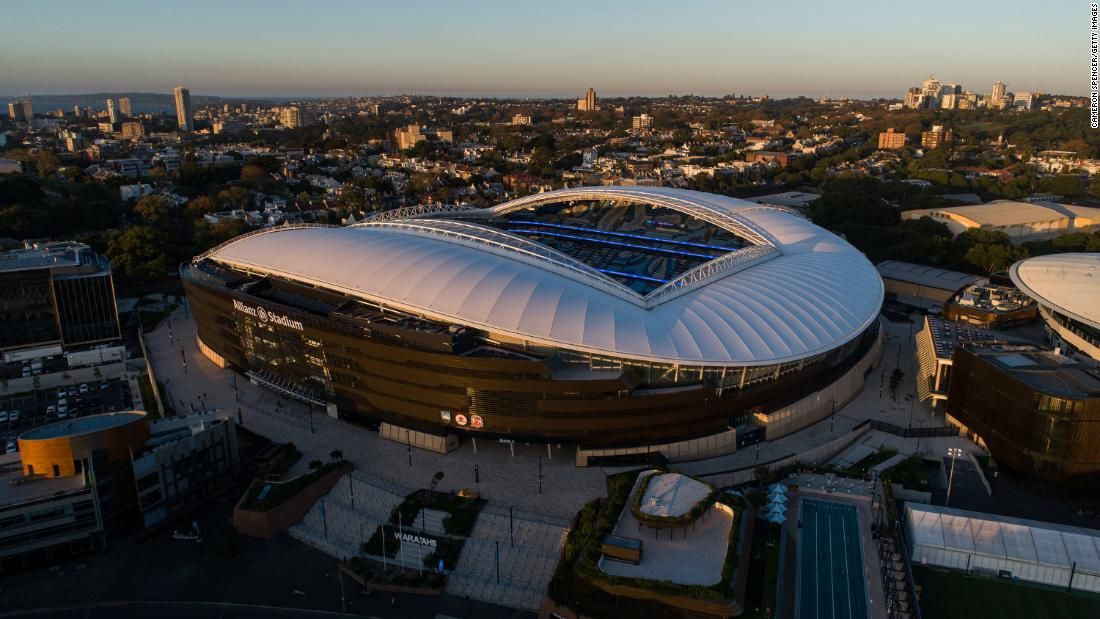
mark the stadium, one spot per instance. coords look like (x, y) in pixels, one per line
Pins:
(622, 320)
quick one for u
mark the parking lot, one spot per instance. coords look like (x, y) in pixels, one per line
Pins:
(21, 413)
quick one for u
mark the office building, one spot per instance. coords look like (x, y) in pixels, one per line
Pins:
(998, 94)
(124, 107)
(184, 113)
(526, 321)
(992, 306)
(588, 103)
(1066, 288)
(936, 343)
(1023, 101)
(28, 110)
(1037, 411)
(937, 137)
(290, 117)
(112, 114)
(56, 294)
(890, 140)
(642, 122)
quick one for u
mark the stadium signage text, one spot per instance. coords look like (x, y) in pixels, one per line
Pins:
(414, 539)
(265, 316)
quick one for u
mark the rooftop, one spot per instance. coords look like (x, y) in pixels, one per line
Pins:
(1004, 213)
(15, 488)
(1004, 537)
(1045, 370)
(1069, 283)
(794, 290)
(50, 255)
(946, 334)
(994, 299)
(82, 425)
(923, 275)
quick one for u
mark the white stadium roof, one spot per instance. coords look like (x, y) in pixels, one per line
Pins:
(799, 291)
(1069, 283)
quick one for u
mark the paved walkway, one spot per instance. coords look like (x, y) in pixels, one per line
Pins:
(874, 402)
(191, 380)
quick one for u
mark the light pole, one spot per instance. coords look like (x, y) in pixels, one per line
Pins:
(954, 452)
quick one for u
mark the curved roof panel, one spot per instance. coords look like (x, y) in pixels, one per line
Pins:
(813, 293)
(1069, 283)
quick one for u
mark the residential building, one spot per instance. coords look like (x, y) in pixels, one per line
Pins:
(290, 117)
(184, 113)
(407, 137)
(1023, 100)
(521, 120)
(588, 103)
(125, 108)
(890, 140)
(133, 129)
(15, 112)
(935, 138)
(998, 94)
(642, 122)
(135, 191)
(112, 113)
(229, 125)
(28, 110)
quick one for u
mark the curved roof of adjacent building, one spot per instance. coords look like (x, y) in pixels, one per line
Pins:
(82, 425)
(796, 292)
(1069, 283)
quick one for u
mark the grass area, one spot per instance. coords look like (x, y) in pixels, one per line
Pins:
(280, 492)
(953, 595)
(910, 473)
(147, 396)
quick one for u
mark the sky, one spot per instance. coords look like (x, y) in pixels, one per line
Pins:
(838, 48)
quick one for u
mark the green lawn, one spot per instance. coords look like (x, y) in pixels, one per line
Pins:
(952, 595)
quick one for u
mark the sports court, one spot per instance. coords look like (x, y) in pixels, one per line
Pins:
(831, 580)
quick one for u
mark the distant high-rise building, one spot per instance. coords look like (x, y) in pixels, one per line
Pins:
(15, 112)
(930, 88)
(998, 94)
(588, 103)
(183, 109)
(78, 111)
(291, 117)
(28, 111)
(891, 140)
(124, 107)
(914, 98)
(112, 114)
(1023, 100)
(645, 121)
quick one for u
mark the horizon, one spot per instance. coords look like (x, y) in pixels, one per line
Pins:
(502, 51)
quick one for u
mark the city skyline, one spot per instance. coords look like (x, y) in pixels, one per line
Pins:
(498, 51)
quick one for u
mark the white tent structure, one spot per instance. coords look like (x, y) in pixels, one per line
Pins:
(1040, 552)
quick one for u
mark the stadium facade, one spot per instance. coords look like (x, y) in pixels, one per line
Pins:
(624, 320)
(1067, 289)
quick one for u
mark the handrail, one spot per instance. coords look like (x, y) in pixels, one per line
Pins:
(287, 226)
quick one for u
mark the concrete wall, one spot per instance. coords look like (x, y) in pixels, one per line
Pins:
(819, 405)
(705, 447)
(280, 518)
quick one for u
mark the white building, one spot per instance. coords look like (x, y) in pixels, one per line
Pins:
(1021, 221)
(135, 191)
(1066, 288)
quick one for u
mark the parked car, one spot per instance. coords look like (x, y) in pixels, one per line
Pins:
(103, 385)
(51, 410)
(3, 416)
(12, 445)
(83, 387)
(13, 416)
(61, 392)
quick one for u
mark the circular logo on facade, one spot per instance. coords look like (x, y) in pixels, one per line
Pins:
(460, 419)
(262, 313)
(476, 421)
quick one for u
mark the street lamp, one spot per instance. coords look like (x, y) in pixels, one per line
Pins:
(954, 452)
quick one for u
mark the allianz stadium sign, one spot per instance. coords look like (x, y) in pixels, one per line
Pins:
(265, 316)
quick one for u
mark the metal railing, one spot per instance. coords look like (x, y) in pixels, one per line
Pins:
(418, 211)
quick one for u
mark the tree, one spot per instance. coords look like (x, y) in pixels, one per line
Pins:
(200, 206)
(336, 454)
(153, 210)
(253, 175)
(315, 464)
(139, 252)
(235, 197)
(46, 163)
